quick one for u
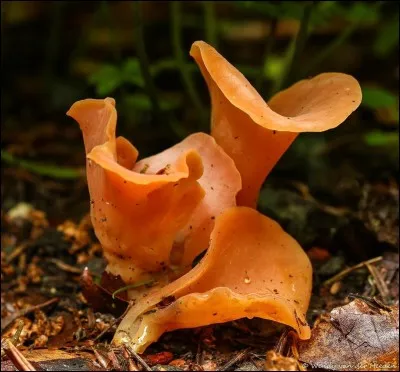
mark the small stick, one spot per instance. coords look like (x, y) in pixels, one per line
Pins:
(137, 357)
(63, 266)
(16, 252)
(280, 346)
(374, 302)
(199, 355)
(114, 322)
(9, 319)
(15, 337)
(350, 269)
(114, 360)
(131, 364)
(237, 358)
(16, 357)
(380, 283)
(305, 192)
(293, 345)
(102, 360)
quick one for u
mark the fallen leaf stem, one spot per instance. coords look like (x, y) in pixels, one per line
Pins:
(350, 269)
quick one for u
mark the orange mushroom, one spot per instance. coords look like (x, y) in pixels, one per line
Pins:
(256, 134)
(159, 212)
(141, 211)
(252, 269)
(220, 181)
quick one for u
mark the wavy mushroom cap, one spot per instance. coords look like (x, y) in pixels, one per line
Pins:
(252, 269)
(220, 181)
(142, 211)
(136, 216)
(256, 134)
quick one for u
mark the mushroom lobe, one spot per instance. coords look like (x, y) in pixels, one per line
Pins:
(252, 269)
(256, 134)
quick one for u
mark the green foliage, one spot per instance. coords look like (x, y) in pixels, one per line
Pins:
(168, 65)
(360, 11)
(131, 72)
(141, 102)
(274, 67)
(379, 138)
(387, 38)
(324, 11)
(109, 78)
(281, 9)
(375, 98)
(106, 80)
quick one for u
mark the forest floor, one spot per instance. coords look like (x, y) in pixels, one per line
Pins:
(59, 316)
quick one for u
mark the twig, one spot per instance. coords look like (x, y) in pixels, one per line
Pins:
(113, 323)
(199, 355)
(143, 58)
(15, 337)
(237, 358)
(293, 345)
(131, 364)
(180, 60)
(306, 194)
(210, 23)
(16, 357)
(63, 266)
(350, 269)
(379, 282)
(281, 344)
(374, 302)
(101, 359)
(268, 48)
(9, 319)
(114, 360)
(16, 252)
(137, 357)
(297, 48)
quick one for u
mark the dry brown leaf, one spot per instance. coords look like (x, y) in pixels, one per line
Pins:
(57, 360)
(355, 337)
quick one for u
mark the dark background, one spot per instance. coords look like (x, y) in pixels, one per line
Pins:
(55, 53)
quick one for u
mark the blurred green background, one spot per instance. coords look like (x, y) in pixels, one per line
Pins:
(55, 53)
